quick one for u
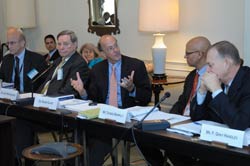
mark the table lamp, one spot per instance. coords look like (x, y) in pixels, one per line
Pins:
(20, 14)
(159, 16)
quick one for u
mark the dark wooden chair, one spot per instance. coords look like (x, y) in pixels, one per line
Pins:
(55, 159)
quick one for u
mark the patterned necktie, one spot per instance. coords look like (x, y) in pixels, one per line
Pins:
(46, 86)
(186, 111)
(17, 76)
(113, 89)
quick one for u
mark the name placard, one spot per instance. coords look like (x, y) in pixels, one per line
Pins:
(47, 102)
(113, 113)
(6, 93)
(231, 137)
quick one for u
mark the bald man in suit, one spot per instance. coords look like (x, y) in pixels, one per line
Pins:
(28, 61)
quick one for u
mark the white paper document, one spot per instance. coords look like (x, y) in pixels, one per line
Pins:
(66, 103)
(192, 127)
(139, 110)
(171, 118)
(81, 107)
(28, 95)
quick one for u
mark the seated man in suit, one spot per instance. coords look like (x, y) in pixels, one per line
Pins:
(64, 68)
(16, 65)
(50, 44)
(120, 81)
(15, 68)
(227, 85)
(195, 55)
(196, 49)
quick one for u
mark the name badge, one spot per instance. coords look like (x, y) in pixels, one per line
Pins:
(46, 102)
(11, 94)
(112, 113)
(231, 137)
(32, 73)
(60, 74)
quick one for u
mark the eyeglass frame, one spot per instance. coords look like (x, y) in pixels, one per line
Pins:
(189, 53)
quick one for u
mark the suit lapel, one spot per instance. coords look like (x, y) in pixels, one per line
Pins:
(124, 73)
(9, 75)
(67, 65)
(236, 84)
(105, 78)
(26, 67)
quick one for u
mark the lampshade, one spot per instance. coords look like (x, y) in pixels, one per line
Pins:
(20, 13)
(159, 16)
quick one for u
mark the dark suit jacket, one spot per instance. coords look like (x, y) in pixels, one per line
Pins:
(180, 105)
(54, 56)
(32, 60)
(63, 87)
(98, 83)
(232, 109)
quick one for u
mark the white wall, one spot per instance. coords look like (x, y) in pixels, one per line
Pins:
(216, 19)
(247, 34)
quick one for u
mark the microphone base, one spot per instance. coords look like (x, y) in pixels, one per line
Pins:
(25, 101)
(154, 125)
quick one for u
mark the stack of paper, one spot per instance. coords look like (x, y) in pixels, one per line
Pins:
(89, 114)
(71, 102)
(136, 111)
(193, 127)
(171, 118)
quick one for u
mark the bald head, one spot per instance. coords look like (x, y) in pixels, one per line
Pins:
(199, 43)
(16, 40)
(110, 48)
(18, 33)
(196, 49)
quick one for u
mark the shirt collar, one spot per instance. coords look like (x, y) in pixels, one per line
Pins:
(202, 70)
(21, 56)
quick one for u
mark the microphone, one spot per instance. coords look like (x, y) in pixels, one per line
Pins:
(153, 124)
(34, 75)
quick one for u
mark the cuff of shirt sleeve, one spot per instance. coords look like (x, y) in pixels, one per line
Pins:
(201, 97)
(215, 93)
(85, 96)
(132, 93)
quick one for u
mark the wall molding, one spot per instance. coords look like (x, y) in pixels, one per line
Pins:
(177, 68)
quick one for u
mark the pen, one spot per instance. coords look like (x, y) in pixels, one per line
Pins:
(197, 123)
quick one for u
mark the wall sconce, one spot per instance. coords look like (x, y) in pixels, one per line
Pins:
(20, 13)
(159, 16)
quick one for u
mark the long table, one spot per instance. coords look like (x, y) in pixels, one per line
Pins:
(171, 142)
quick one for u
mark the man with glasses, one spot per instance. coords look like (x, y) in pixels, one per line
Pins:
(65, 67)
(195, 54)
(16, 65)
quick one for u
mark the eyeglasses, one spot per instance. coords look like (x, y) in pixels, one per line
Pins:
(112, 48)
(12, 43)
(64, 44)
(189, 53)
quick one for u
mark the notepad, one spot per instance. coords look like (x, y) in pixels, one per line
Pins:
(90, 114)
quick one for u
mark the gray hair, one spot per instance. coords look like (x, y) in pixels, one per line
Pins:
(72, 35)
(227, 49)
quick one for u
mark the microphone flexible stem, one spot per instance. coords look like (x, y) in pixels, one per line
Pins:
(166, 95)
